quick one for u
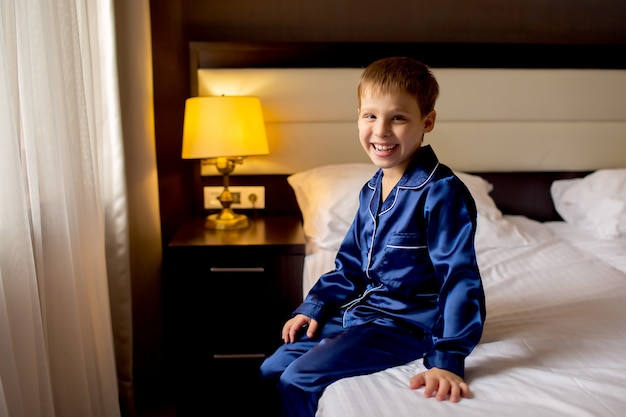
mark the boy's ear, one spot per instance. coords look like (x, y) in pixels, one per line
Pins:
(429, 121)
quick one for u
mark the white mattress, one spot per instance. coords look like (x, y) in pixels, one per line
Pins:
(554, 342)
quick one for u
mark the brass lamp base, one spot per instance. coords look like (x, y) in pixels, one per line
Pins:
(227, 220)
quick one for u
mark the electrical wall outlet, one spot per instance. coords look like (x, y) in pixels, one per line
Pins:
(245, 197)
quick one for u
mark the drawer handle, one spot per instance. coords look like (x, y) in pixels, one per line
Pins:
(239, 356)
(252, 269)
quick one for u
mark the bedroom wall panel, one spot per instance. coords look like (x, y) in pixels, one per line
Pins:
(467, 146)
(531, 94)
(329, 94)
(467, 21)
(488, 119)
(290, 95)
(530, 146)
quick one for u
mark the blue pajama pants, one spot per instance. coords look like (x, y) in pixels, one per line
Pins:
(303, 369)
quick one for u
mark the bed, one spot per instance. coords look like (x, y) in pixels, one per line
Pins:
(554, 338)
(543, 152)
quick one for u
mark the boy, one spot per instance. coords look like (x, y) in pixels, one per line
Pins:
(406, 284)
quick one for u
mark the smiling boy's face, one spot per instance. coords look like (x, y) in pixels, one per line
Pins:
(391, 129)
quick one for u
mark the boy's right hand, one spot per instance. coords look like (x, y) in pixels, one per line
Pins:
(297, 323)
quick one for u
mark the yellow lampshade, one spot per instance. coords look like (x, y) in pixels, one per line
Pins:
(223, 130)
(223, 126)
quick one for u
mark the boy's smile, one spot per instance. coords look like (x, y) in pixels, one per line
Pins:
(384, 148)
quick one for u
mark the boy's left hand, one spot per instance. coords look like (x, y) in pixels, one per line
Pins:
(440, 383)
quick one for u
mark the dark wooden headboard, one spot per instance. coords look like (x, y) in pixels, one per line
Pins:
(437, 55)
(527, 193)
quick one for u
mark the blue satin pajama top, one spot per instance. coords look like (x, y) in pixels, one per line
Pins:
(410, 261)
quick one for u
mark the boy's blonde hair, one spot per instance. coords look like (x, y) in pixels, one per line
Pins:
(397, 74)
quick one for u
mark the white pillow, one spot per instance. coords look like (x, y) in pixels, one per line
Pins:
(328, 197)
(596, 203)
(492, 229)
(480, 189)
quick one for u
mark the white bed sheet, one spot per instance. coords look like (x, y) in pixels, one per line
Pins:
(554, 342)
(612, 251)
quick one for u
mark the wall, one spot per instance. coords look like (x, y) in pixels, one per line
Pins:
(530, 21)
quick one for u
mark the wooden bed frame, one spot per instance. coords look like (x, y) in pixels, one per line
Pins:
(525, 193)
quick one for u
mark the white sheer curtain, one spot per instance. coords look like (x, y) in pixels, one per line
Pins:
(63, 212)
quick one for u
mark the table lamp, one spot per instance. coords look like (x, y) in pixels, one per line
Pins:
(222, 131)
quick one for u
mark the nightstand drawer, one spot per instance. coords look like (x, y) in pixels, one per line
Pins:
(240, 309)
(237, 302)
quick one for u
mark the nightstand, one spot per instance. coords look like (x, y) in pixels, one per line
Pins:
(227, 296)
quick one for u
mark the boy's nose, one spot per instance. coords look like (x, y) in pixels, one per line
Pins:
(382, 130)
